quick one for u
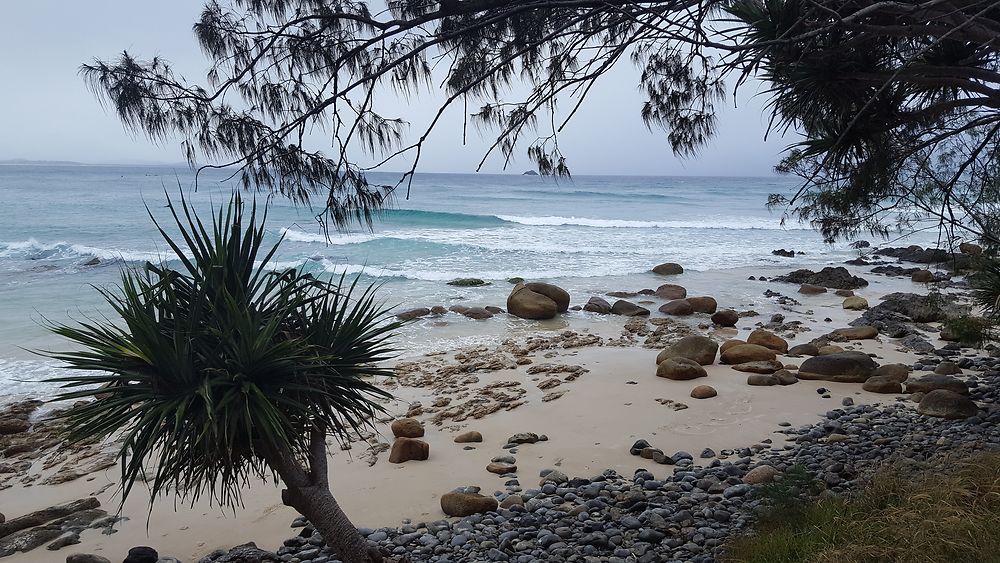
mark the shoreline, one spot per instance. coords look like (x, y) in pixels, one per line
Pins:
(590, 427)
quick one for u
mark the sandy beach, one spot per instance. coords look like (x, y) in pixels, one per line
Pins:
(612, 400)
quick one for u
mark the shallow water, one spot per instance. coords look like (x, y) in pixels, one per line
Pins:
(589, 234)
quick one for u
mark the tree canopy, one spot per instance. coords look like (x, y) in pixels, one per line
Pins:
(896, 102)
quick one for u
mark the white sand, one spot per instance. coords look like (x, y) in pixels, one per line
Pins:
(590, 429)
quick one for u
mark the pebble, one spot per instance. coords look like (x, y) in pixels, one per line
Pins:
(681, 515)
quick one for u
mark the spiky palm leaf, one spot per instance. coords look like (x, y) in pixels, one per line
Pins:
(210, 368)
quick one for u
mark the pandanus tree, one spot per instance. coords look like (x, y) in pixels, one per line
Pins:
(221, 369)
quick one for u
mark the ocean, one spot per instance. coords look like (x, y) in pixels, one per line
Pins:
(590, 235)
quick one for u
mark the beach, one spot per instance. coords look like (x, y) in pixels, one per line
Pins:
(600, 395)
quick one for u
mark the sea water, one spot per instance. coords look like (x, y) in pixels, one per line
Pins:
(590, 235)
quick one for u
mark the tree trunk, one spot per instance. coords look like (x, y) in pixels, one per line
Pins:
(308, 491)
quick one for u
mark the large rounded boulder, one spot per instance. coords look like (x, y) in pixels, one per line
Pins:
(947, 404)
(842, 367)
(726, 318)
(703, 304)
(670, 291)
(933, 382)
(680, 369)
(768, 339)
(528, 304)
(701, 349)
(628, 309)
(668, 269)
(553, 292)
(743, 353)
(677, 308)
(466, 502)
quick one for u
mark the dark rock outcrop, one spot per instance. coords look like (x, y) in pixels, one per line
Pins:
(833, 277)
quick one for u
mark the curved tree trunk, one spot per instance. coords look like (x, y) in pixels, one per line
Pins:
(308, 491)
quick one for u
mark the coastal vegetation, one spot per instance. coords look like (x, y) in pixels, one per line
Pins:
(896, 103)
(944, 510)
(222, 369)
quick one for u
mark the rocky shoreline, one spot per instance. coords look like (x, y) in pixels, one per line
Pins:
(707, 496)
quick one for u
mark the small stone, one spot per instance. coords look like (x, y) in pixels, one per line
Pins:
(761, 380)
(468, 437)
(407, 428)
(703, 392)
(760, 475)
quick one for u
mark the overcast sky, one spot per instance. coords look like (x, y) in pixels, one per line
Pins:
(46, 113)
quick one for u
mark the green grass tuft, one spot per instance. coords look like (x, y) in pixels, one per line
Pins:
(944, 513)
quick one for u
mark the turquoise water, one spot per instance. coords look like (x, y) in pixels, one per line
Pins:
(589, 234)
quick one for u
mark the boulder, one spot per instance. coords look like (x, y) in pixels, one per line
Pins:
(832, 277)
(46, 515)
(703, 392)
(882, 384)
(761, 380)
(10, 426)
(668, 269)
(438, 310)
(896, 372)
(947, 404)
(501, 468)
(553, 292)
(830, 349)
(970, 248)
(458, 309)
(854, 333)
(468, 282)
(413, 314)
(844, 293)
(512, 500)
(670, 291)
(142, 554)
(468, 437)
(524, 438)
(409, 449)
(246, 553)
(478, 313)
(527, 304)
(855, 303)
(760, 475)
(947, 368)
(726, 318)
(768, 339)
(494, 309)
(729, 344)
(597, 305)
(26, 540)
(86, 558)
(701, 349)
(929, 383)
(628, 309)
(922, 276)
(766, 367)
(463, 502)
(680, 369)
(843, 367)
(915, 253)
(785, 377)
(808, 349)
(703, 304)
(677, 307)
(810, 289)
(744, 353)
(407, 428)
